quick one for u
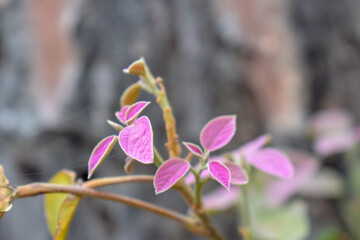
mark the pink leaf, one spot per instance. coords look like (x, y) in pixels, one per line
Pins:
(137, 140)
(220, 199)
(334, 120)
(134, 110)
(121, 115)
(250, 148)
(218, 132)
(101, 150)
(238, 174)
(169, 173)
(305, 165)
(195, 149)
(273, 162)
(220, 172)
(336, 142)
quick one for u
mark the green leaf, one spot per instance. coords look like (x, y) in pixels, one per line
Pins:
(130, 95)
(331, 233)
(53, 201)
(288, 222)
(6, 194)
(66, 213)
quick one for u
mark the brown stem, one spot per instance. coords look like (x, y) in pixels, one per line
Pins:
(210, 228)
(173, 146)
(188, 195)
(34, 189)
(100, 182)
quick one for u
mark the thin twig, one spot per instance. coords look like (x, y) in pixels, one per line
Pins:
(35, 189)
(100, 182)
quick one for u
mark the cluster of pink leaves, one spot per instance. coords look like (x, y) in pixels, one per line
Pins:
(216, 134)
(136, 140)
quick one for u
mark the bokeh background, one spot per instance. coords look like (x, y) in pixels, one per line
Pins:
(274, 63)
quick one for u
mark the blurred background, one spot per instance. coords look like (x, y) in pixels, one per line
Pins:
(273, 63)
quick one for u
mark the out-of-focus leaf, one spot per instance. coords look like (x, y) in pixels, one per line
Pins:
(220, 199)
(65, 215)
(331, 233)
(306, 166)
(6, 194)
(250, 148)
(130, 95)
(334, 142)
(218, 132)
(334, 120)
(289, 222)
(169, 173)
(137, 140)
(273, 162)
(53, 201)
(100, 152)
(220, 172)
(326, 184)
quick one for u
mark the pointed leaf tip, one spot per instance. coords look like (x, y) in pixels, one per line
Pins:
(169, 173)
(134, 110)
(218, 132)
(136, 140)
(100, 152)
(136, 68)
(250, 148)
(274, 162)
(220, 172)
(120, 115)
(195, 149)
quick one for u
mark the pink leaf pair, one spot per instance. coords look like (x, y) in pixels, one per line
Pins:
(101, 150)
(227, 172)
(218, 132)
(128, 113)
(137, 140)
(237, 174)
(169, 173)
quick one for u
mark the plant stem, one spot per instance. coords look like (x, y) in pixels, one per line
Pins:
(170, 124)
(174, 150)
(198, 191)
(100, 182)
(188, 195)
(158, 160)
(243, 212)
(34, 189)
